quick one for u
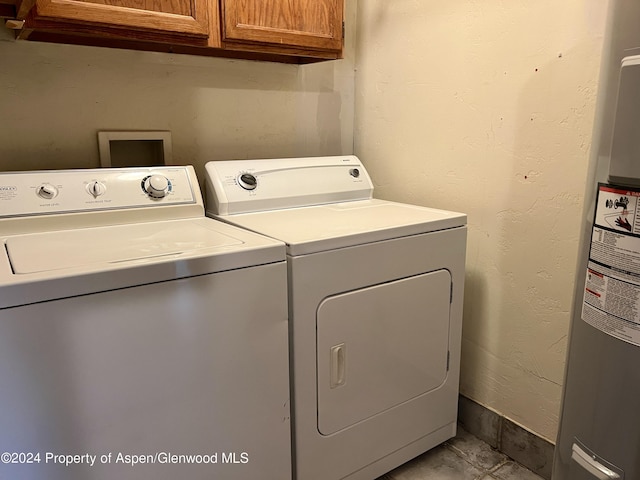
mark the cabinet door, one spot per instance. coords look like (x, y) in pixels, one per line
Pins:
(315, 24)
(184, 17)
(380, 347)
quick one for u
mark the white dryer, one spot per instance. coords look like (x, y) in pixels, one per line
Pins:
(138, 338)
(375, 309)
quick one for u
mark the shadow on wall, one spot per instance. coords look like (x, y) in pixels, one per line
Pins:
(54, 99)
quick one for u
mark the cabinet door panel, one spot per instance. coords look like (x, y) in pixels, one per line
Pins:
(296, 23)
(176, 7)
(187, 17)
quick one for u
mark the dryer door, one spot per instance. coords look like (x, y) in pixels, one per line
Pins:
(381, 346)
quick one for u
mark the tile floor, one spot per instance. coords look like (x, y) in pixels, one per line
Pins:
(464, 457)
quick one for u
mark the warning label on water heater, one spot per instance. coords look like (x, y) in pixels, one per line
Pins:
(612, 288)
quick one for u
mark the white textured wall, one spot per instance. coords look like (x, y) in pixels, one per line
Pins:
(486, 107)
(55, 98)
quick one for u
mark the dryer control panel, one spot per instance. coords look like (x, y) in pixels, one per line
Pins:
(244, 186)
(73, 191)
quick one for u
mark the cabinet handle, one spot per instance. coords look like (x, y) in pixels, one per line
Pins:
(338, 360)
(591, 465)
(14, 24)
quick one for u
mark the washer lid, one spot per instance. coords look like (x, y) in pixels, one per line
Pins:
(41, 252)
(44, 266)
(326, 227)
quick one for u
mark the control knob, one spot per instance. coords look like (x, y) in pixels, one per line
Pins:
(96, 188)
(47, 191)
(248, 181)
(156, 186)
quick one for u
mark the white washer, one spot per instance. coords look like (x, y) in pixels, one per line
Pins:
(375, 309)
(135, 329)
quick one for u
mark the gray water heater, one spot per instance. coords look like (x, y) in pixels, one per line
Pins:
(599, 435)
(624, 166)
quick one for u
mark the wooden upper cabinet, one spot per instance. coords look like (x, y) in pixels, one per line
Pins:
(293, 31)
(310, 24)
(182, 17)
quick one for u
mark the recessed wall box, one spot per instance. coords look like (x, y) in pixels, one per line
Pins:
(135, 148)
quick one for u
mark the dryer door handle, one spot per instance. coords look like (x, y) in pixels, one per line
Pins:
(338, 368)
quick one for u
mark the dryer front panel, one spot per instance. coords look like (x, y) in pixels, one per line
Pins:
(381, 346)
(383, 316)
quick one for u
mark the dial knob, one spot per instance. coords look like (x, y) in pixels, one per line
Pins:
(157, 186)
(96, 188)
(248, 181)
(47, 191)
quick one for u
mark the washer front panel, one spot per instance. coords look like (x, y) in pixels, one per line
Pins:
(186, 367)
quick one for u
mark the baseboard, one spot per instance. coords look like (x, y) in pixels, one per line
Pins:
(523, 446)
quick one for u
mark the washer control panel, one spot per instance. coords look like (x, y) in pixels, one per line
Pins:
(65, 191)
